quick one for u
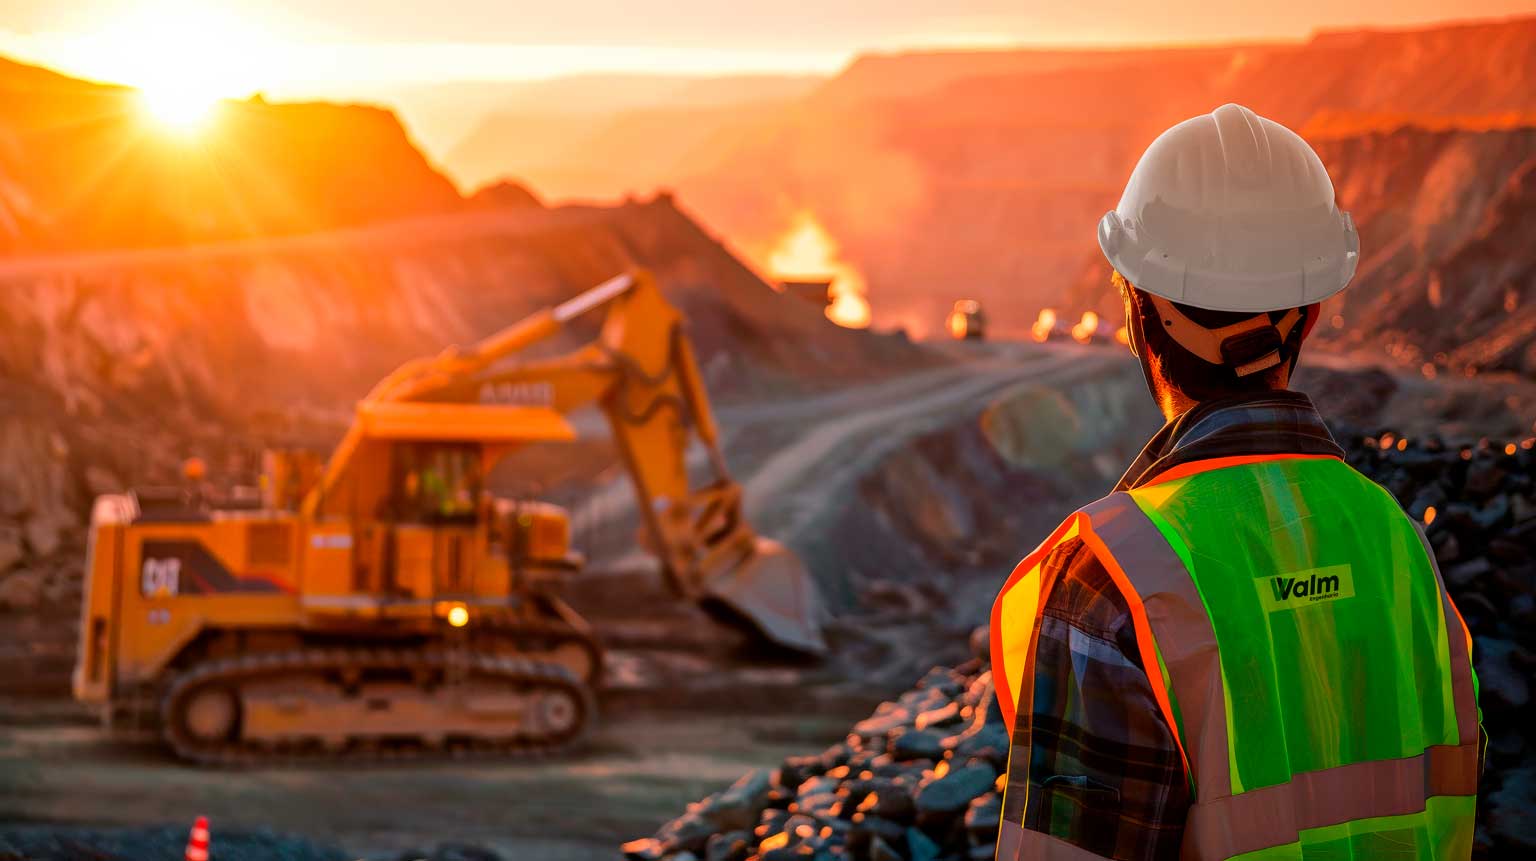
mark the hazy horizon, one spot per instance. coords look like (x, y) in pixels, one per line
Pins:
(339, 49)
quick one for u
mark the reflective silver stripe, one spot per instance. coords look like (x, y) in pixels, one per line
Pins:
(1222, 825)
(1018, 844)
(1273, 815)
(1463, 691)
(1009, 836)
(1182, 629)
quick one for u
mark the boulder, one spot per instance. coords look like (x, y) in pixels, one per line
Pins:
(728, 846)
(952, 793)
(738, 807)
(918, 744)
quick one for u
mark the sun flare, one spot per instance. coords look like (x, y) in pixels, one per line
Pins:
(180, 109)
(182, 57)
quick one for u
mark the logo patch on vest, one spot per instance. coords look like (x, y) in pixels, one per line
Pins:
(1300, 588)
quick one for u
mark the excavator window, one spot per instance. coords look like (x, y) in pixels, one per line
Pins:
(436, 483)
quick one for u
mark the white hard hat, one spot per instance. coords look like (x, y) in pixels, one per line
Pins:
(1232, 212)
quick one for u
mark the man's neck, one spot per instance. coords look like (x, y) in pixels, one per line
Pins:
(1172, 402)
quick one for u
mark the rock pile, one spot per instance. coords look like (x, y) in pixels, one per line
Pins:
(1478, 502)
(921, 778)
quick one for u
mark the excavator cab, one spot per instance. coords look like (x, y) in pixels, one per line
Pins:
(435, 483)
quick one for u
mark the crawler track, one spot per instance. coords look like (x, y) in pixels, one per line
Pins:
(438, 670)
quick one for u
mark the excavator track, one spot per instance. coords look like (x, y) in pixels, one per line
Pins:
(373, 705)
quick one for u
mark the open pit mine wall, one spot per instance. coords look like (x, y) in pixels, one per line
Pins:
(981, 174)
(1445, 217)
(115, 368)
(945, 508)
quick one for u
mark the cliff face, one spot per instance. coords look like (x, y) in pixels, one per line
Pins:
(982, 174)
(82, 166)
(1447, 274)
(1446, 217)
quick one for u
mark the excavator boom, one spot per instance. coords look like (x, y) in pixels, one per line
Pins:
(642, 373)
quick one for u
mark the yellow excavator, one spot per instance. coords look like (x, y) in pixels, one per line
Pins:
(384, 603)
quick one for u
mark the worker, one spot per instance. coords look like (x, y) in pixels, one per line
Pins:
(1246, 649)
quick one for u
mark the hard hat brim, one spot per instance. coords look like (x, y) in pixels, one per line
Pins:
(1319, 273)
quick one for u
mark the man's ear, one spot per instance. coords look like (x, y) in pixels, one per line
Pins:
(1314, 311)
(1130, 321)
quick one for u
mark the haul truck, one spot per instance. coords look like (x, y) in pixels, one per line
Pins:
(385, 604)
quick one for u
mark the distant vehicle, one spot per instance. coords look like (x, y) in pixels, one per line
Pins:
(967, 321)
(385, 602)
(817, 291)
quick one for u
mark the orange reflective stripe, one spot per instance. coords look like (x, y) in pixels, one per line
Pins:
(1002, 670)
(1466, 632)
(1143, 627)
(1195, 467)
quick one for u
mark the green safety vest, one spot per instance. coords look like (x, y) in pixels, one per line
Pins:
(1300, 642)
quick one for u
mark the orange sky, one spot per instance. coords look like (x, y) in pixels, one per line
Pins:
(329, 47)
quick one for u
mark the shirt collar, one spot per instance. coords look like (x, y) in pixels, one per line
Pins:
(1271, 422)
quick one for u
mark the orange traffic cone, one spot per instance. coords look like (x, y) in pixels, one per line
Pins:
(197, 844)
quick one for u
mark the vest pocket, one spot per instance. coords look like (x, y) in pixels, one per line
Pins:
(1083, 789)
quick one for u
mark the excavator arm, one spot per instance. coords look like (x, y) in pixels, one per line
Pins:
(642, 373)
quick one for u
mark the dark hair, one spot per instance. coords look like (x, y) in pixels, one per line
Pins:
(1193, 375)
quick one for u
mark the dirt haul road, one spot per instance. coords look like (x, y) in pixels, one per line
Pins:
(56, 768)
(835, 438)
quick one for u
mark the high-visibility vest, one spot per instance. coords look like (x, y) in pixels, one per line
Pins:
(1300, 643)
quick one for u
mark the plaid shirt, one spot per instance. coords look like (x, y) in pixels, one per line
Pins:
(1104, 771)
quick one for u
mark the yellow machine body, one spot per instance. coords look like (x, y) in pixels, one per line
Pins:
(387, 598)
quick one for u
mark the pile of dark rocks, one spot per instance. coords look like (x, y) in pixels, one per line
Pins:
(1478, 503)
(920, 779)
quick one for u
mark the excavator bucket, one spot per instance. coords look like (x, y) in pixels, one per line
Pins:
(773, 592)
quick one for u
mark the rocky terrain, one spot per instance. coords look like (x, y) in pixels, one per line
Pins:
(1444, 210)
(920, 778)
(950, 174)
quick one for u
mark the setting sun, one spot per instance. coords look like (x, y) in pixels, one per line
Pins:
(183, 57)
(177, 108)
